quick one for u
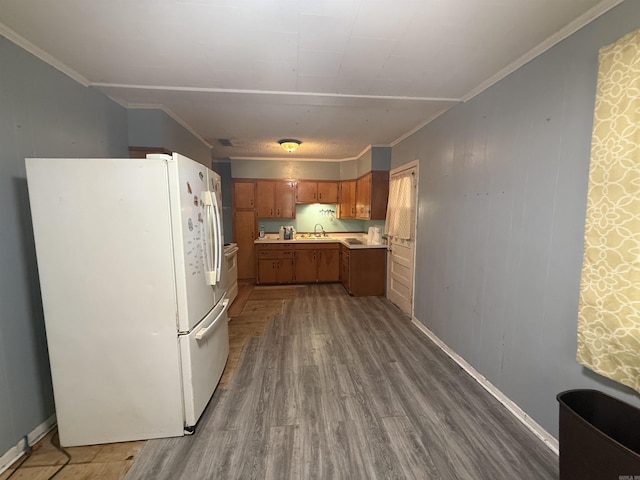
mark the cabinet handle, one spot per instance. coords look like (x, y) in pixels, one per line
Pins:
(278, 213)
(320, 195)
(271, 212)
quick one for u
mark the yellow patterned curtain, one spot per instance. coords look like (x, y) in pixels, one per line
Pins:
(609, 309)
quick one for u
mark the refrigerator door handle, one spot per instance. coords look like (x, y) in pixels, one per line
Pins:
(217, 228)
(202, 333)
(208, 240)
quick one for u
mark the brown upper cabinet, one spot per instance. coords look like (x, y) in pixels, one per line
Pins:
(347, 199)
(317, 192)
(244, 196)
(275, 199)
(372, 193)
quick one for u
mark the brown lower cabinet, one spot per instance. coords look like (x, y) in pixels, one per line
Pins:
(274, 263)
(317, 262)
(362, 271)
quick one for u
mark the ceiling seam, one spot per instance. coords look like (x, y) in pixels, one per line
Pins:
(270, 92)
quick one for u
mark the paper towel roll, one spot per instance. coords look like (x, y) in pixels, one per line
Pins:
(377, 236)
(370, 236)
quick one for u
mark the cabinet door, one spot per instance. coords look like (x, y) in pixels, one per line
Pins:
(285, 206)
(328, 265)
(344, 267)
(307, 192)
(265, 194)
(243, 195)
(379, 195)
(267, 271)
(244, 225)
(284, 270)
(328, 192)
(363, 197)
(306, 266)
(367, 272)
(347, 208)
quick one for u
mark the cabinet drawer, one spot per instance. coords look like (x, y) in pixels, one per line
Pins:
(317, 246)
(275, 246)
(274, 254)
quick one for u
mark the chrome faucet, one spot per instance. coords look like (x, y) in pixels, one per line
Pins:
(315, 230)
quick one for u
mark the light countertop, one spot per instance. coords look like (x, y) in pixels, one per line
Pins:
(342, 238)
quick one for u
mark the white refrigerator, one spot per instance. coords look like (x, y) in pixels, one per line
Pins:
(131, 266)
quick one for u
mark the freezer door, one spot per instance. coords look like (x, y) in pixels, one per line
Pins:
(204, 353)
(187, 182)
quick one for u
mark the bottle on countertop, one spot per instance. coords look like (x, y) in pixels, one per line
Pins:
(261, 234)
(281, 233)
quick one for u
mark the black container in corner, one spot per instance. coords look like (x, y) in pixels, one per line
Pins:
(599, 437)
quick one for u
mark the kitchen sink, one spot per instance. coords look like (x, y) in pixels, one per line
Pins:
(313, 237)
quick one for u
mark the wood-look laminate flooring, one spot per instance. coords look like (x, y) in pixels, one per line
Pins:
(342, 387)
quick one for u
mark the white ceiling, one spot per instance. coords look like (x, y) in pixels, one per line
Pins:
(339, 75)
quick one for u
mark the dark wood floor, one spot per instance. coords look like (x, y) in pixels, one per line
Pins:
(343, 387)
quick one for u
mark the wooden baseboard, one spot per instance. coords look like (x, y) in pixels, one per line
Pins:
(14, 453)
(510, 405)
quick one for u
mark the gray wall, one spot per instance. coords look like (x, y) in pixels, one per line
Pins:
(375, 158)
(155, 128)
(380, 158)
(42, 113)
(348, 169)
(503, 181)
(285, 169)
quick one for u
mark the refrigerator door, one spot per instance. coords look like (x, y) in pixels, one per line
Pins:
(215, 193)
(187, 182)
(204, 353)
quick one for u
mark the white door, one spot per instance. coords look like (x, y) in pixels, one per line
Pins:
(400, 229)
(204, 354)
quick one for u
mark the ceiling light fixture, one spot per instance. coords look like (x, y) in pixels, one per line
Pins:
(289, 144)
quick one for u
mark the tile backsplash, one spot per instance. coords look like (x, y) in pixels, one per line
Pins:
(307, 216)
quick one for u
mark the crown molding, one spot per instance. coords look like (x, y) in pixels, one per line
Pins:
(173, 115)
(41, 54)
(568, 30)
